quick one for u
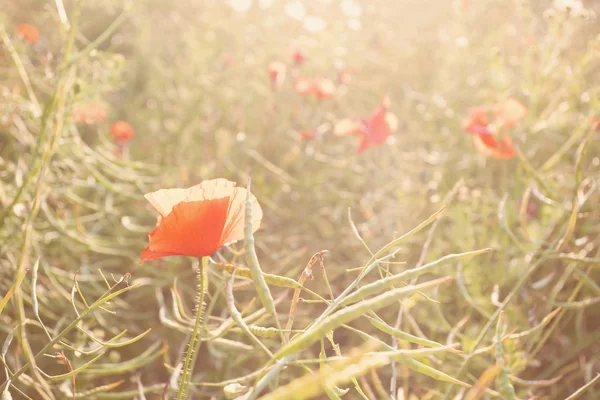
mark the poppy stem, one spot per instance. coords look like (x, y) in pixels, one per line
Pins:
(190, 357)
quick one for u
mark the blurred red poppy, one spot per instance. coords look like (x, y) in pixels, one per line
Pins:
(89, 113)
(373, 131)
(298, 56)
(122, 132)
(507, 114)
(28, 33)
(379, 127)
(322, 88)
(198, 221)
(308, 134)
(276, 71)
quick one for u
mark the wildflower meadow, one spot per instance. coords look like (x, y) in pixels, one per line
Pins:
(300, 199)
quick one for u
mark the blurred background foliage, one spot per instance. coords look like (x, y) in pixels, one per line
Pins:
(191, 79)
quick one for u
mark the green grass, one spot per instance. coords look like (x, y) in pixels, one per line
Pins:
(407, 303)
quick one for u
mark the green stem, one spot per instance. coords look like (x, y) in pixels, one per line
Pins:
(105, 35)
(48, 112)
(188, 365)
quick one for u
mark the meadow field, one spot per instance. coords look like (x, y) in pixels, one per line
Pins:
(300, 199)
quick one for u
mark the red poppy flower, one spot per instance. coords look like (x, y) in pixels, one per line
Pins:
(506, 115)
(28, 33)
(89, 114)
(199, 220)
(307, 134)
(379, 127)
(122, 132)
(477, 123)
(276, 71)
(322, 88)
(298, 56)
(373, 131)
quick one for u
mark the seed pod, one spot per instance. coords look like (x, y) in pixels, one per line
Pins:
(397, 333)
(275, 280)
(385, 283)
(237, 317)
(264, 294)
(318, 330)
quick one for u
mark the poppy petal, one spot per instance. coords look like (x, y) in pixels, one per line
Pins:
(480, 146)
(502, 150)
(149, 255)
(211, 189)
(378, 128)
(164, 200)
(509, 112)
(505, 149)
(233, 229)
(478, 129)
(193, 228)
(235, 223)
(488, 140)
(477, 122)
